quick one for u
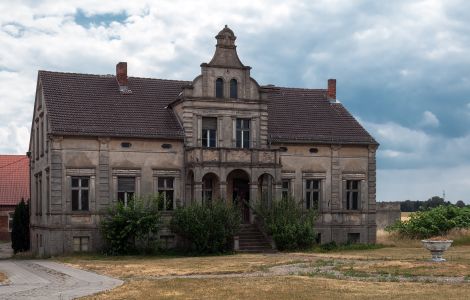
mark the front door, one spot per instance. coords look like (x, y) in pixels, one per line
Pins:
(241, 198)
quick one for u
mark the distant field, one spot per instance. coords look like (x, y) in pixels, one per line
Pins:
(405, 216)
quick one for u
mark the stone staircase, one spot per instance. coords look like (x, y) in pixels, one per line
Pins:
(251, 239)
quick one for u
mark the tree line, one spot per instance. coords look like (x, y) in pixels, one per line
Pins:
(417, 205)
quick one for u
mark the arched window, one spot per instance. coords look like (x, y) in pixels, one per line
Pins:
(233, 89)
(219, 88)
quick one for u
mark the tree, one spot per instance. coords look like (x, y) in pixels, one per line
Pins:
(460, 204)
(20, 230)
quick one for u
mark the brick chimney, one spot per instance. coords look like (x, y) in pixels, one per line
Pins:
(331, 94)
(121, 76)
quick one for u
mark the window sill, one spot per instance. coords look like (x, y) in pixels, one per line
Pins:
(81, 212)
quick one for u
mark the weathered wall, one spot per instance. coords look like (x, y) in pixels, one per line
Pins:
(103, 160)
(387, 214)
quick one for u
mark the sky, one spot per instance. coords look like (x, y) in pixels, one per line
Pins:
(402, 66)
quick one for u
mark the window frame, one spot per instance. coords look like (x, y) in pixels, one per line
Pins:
(165, 191)
(244, 131)
(219, 88)
(310, 191)
(80, 189)
(233, 88)
(127, 193)
(286, 192)
(206, 138)
(349, 193)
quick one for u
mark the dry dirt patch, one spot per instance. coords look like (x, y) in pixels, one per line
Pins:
(3, 277)
(139, 267)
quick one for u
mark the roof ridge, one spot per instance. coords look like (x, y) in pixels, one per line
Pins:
(111, 75)
(298, 88)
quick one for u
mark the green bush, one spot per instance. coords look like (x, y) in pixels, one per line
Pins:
(289, 224)
(20, 230)
(132, 228)
(207, 229)
(433, 222)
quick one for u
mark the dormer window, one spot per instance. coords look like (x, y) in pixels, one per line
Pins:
(219, 88)
(233, 89)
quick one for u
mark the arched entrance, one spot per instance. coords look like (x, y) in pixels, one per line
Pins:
(266, 189)
(210, 188)
(238, 192)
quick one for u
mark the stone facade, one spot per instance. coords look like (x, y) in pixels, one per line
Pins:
(220, 156)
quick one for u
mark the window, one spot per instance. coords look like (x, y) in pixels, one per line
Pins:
(286, 188)
(165, 187)
(207, 187)
(126, 189)
(37, 142)
(39, 193)
(219, 88)
(312, 193)
(209, 132)
(48, 193)
(354, 238)
(80, 193)
(243, 133)
(352, 194)
(10, 221)
(233, 89)
(81, 243)
(42, 137)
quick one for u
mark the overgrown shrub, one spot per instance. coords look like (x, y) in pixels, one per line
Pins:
(207, 229)
(20, 230)
(289, 224)
(132, 228)
(433, 222)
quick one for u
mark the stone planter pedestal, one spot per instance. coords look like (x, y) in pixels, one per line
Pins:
(437, 248)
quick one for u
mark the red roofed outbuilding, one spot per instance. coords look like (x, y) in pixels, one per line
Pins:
(14, 185)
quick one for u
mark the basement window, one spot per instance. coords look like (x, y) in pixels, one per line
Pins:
(81, 243)
(126, 145)
(354, 238)
(166, 146)
(283, 149)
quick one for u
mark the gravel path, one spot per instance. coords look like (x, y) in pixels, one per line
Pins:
(40, 279)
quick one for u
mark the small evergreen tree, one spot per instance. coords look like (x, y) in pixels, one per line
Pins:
(20, 230)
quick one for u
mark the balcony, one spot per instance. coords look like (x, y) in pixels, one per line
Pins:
(198, 156)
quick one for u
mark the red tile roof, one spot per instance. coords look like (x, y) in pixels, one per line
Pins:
(85, 104)
(14, 179)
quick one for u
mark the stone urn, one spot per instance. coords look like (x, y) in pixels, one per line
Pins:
(437, 248)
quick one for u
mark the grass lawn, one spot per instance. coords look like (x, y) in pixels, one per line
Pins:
(282, 287)
(219, 277)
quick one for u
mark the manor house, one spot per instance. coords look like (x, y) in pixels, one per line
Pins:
(98, 139)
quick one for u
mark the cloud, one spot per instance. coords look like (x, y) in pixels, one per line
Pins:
(17, 138)
(429, 120)
(402, 66)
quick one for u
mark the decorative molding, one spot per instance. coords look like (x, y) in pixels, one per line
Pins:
(127, 172)
(166, 173)
(313, 175)
(288, 174)
(80, 172)
(354, 176)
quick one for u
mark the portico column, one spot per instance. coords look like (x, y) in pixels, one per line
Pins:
(223, 191)
(253, 199)
(198, 192)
